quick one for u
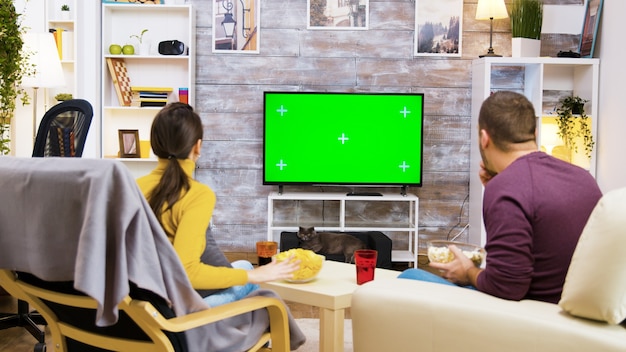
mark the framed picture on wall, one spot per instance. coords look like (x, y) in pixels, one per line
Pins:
(129, 143)
(236, 27)
(590, 28)
(438, 27)
(338, 14)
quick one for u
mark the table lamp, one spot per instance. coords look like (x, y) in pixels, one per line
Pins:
(490, 10)
(48, 72)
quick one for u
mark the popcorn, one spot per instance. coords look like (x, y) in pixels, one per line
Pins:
(310, 263)
(445, 255)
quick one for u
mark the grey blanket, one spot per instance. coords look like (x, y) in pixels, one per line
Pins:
(86, 220)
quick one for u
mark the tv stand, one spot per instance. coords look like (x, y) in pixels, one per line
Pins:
(364, 194)
(352, 212)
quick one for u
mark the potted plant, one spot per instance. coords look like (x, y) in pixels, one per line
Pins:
(13, 67)
(65, 12)
(144, 48)
(526, 19)
(63, 97)
(573, 124)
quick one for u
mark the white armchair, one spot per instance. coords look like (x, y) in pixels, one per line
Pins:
(407, 315)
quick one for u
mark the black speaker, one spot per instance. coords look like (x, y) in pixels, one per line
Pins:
(172, 47)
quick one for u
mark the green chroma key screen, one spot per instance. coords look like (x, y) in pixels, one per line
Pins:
(343, 138)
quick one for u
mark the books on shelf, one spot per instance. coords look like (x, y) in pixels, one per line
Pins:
(150, 96)
(151, 89)
(58, 39)
(145, 104)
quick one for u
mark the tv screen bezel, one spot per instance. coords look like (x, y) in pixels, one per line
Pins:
(346, 184)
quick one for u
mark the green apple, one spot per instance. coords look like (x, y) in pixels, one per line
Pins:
(115, 49)
(128, 49)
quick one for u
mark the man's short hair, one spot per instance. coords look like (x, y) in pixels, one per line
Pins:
(508, 118)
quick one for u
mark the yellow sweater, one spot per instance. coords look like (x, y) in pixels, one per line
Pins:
(186, 224)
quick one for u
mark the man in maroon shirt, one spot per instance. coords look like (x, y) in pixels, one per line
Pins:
(534, 209)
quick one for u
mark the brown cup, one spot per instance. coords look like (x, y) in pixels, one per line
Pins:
(265, 250)
(365, 260)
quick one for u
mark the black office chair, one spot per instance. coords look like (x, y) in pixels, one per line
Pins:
(62, 133)
(63, 129)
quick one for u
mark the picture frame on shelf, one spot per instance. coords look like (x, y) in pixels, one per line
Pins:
(338, 15)
(236, 28)
(438, 28)
(129, 143)
(590, 28)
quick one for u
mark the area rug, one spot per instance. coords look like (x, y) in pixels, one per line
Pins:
(311, 328)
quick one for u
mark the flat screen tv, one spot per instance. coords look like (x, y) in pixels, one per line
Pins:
(356, 139)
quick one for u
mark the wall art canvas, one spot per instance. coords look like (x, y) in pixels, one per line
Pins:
(438, 27)
(236, 26)
(590, 28)
(338, 14)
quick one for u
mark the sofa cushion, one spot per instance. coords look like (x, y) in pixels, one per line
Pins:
(595, 285)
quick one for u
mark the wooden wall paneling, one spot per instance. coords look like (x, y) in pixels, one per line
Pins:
(230, 87)
(252, 70)
(406, 73)
(231, 155)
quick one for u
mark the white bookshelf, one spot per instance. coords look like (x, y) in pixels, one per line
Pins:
(150, 69)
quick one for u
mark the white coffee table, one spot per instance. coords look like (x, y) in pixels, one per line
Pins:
(332, 292)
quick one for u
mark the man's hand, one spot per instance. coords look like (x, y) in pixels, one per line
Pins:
(484, 174)
(274, 271)
(461, 270)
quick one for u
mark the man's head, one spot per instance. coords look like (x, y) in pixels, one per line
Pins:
(506, 122)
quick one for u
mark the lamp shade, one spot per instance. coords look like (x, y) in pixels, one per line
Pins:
(488, 9)
(44, 58)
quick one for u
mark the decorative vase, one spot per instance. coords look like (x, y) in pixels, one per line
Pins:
(524, 47)
(144, 48)
(66, 15)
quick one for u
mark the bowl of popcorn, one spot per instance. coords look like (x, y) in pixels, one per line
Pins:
(310, 264)
(438, 251)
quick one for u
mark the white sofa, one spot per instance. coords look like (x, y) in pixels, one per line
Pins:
(407, 315)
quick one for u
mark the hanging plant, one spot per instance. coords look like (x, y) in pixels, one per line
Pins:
(573, 123)
(13, 67)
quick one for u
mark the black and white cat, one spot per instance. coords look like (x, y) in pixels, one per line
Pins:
(330, 242)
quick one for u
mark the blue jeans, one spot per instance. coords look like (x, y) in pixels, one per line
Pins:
(234, 293)
(423, 275)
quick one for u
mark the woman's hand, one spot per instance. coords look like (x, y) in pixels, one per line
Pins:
(274, 271)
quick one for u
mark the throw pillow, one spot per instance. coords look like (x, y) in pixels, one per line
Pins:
(595, 285)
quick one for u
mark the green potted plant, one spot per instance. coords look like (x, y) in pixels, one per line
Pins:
(13, 67)
(139, 36)
(65, 12)
(526, 18)
(144, 48)
(63, 97)
(573, 123)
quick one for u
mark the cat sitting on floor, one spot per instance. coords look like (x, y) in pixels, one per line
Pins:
(330, 243)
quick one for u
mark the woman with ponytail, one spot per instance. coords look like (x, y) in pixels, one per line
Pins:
(184, 207)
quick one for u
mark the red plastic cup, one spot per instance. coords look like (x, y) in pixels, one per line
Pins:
(365, 260)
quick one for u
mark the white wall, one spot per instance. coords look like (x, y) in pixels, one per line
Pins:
(610, 48)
